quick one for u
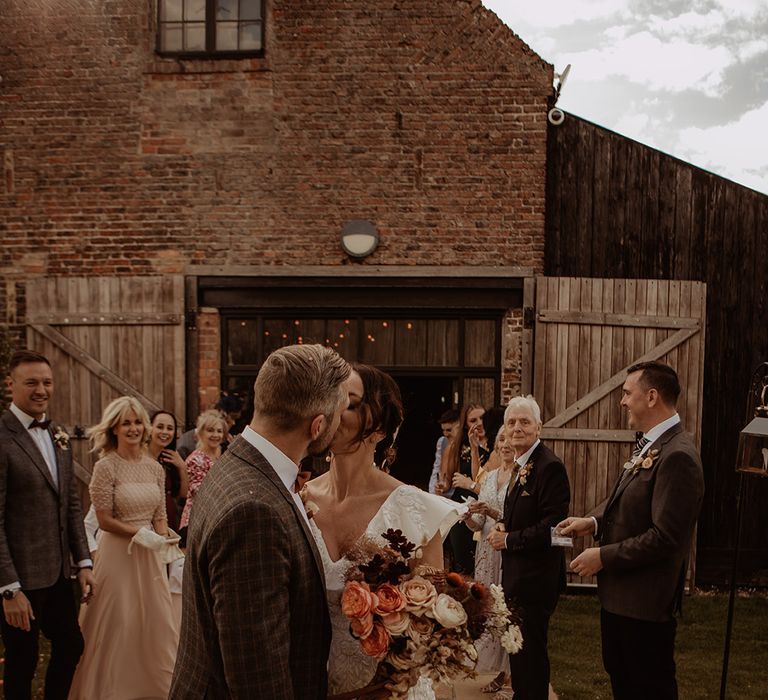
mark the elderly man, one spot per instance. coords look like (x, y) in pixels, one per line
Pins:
(533, 571)
(644, 529)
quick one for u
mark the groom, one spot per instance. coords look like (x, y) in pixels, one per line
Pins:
(255, 622)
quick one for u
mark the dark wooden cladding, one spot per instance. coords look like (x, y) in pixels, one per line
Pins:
(619, 209)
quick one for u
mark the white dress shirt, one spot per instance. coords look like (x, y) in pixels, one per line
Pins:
(287, 470)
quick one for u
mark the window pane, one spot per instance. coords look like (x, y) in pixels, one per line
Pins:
(342, 337)
(250, 36)
(171, 38)
(226, 9)
(378, 342)
(250, 9)
(194, 10)
(442, 343)
(243, 342)
(411, 342)
(194, 37)
(170, 10)
(480, 343)
(226, 36)
(479, 391)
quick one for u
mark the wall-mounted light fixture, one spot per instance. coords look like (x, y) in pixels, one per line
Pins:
(359, 238)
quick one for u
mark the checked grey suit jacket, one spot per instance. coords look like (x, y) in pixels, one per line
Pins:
(645, 530)
(255, 621)
(40, 525)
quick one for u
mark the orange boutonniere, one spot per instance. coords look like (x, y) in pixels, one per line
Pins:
(522, 475)
(645, 461)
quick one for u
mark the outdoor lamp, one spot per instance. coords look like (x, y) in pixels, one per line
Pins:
(753, 442)
(359, 238)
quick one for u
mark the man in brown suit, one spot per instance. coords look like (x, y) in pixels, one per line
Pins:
(41, 533)
(644, 530)
(255, 622)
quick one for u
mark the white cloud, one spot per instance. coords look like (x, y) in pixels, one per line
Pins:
(555, 13)
(643, 58)
(688, 24)
(753, 48)
(736, 150)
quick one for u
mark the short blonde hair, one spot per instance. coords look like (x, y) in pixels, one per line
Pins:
(524, 402)
(208, 418)
(298, 382)
(102, 435)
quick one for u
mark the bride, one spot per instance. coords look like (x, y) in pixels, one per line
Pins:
(355, 499)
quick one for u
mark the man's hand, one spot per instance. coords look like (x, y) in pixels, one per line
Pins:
(18, 612)
(575, 527)
(588, 563)
(87, 585)
(497, 537)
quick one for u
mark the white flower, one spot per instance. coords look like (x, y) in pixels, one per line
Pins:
(512, 640)
(448, 611)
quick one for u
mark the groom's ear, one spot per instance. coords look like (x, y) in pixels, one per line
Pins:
(317, 426)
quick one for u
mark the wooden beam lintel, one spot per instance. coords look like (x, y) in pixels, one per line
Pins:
(588, 435)
(105, 319)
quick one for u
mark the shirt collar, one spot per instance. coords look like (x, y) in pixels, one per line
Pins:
(659, 429)
(285, 467)
(24, 418)
(523, 459)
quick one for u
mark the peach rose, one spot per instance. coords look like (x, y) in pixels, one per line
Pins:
(376, 644)
(419, 594)
(357, 600)
(396, 622)
(448, 611)
(390, 599)
(362, 626)
(420, 628)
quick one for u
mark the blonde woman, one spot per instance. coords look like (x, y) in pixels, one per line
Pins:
(130, 635)
(209, 431)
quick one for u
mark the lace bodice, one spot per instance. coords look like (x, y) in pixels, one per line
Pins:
(134, 492)
(420, 516)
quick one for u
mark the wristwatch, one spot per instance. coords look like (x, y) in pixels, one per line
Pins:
(10, 594)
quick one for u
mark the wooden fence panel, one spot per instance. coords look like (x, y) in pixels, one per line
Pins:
(588, 331)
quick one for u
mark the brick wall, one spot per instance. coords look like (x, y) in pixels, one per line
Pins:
(427, 117)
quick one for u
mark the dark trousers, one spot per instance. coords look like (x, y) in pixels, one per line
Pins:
(462, 543)
(55, 611)
(530, 666)
(639, 656)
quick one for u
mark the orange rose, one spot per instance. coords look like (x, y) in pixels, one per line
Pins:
(357, 600)
(390, 599)
(376, 644)
(362, 626)
(419, 594)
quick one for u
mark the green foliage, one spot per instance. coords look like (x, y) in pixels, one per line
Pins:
(577, 666)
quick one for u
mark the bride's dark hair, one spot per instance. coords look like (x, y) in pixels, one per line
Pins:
(381, 409)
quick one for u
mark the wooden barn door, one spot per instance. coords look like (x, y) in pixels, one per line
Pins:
(588, 331)
(108, 337)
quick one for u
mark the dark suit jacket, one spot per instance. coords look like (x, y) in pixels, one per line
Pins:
(255, 621)
(40, 525)
(645, 531)
(533, 571)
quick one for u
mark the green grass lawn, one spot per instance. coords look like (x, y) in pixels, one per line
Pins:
(577, 667)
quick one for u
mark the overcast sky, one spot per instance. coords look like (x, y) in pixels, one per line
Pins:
(689, 77)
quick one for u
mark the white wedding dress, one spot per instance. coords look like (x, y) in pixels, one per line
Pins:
(419, 515)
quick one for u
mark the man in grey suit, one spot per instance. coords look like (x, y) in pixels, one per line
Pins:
(644, 530)
(41, 532)
(255, 621)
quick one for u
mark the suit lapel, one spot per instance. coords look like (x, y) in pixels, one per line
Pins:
(658, 444)
(248, 453)
(22, 438)
(516, 488)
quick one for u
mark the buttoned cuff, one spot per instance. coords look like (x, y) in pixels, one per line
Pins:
(15, 586)
(594, 522)
(85, 564)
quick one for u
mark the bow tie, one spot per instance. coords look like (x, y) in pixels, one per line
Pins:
(42, 424)
(301, 479)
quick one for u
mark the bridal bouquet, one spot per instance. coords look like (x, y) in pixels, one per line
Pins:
(422, 622)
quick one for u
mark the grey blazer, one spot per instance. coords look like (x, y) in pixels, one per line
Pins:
(40, 525)
(645, 531)
(255, 621)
